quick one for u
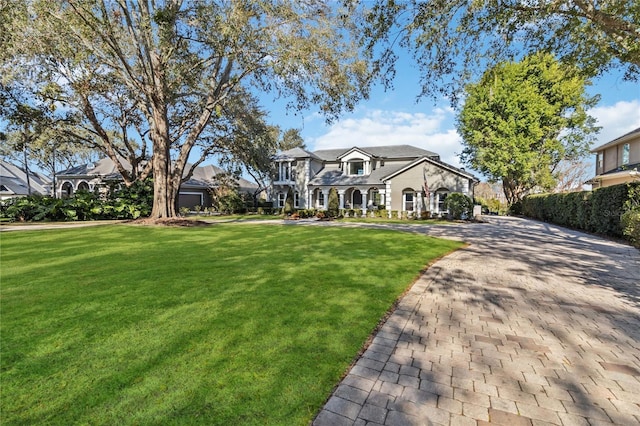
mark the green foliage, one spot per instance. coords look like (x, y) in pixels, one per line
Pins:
(288, 203)
(630, 221)
(305, 52)
(126, 203)
(521, 119)
(333, 203)
(600, 211)
(451, 40)
(459, 206)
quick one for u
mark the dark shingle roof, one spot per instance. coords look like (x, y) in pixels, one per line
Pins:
(388, 151)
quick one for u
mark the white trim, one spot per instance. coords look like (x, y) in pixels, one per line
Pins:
(435, 163)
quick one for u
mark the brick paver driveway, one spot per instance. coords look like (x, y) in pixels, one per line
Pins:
(531, 324)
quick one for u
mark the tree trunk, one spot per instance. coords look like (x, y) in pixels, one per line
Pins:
(165, 190)
(26, 169)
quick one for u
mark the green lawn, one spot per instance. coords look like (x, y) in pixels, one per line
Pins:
(226, 324)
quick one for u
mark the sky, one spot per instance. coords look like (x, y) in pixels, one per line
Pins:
(395, 117)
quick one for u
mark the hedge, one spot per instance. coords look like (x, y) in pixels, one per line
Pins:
(599, 211)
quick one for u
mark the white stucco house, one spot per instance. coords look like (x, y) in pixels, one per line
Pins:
(400, 178)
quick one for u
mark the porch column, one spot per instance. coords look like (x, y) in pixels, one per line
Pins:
(388, 198)
(364, 203)
(419, 202)
(341, 195)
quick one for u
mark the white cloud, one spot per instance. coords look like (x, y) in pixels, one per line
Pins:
(433, 132)
(616, 120)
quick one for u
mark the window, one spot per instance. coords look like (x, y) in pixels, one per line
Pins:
(408, 201)
(321, 198)
(625, 153)
(356, 168)
(296, 200)
(285, 172)
(375, 197)
(600, 160)
(281, 197)
(441, 197)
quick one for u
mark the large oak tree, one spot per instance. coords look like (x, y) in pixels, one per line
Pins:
(454, 40)
(151, 79)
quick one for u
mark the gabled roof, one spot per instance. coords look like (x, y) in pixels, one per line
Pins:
(14, 180)
(335, 176)
(295, 153)
(355, 149)
(103, 168)
(436, 162)
(384, 152)
(627, 136)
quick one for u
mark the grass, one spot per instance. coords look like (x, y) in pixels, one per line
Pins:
(396, 221)
(219, 325)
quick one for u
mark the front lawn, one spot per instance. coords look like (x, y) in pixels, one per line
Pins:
(218, 325)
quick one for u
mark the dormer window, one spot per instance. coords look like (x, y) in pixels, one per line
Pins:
(356, 167)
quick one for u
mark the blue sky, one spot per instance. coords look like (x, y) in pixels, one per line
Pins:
(393, 117)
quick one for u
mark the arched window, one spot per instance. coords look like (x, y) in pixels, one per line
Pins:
(67, 190)
(408, 200)
(83, 186)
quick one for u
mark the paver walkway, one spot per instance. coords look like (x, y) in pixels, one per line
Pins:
(532, 324)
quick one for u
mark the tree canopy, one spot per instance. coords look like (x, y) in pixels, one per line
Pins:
(452, 40)
(522, 119)
(148, 81)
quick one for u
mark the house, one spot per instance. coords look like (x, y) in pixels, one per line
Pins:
(14, 182)
(396, 178)
(99, 175)
(617, 161)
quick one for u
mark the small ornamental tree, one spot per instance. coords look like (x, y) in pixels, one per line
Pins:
(288, 203)
(459, 205)
(334, 204)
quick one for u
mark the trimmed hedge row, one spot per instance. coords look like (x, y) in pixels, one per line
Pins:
(597, 211)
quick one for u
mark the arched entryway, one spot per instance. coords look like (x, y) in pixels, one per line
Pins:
(66, 190)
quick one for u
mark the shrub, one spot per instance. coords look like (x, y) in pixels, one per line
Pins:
(459, 206)
(630, 221)
(333, 203)
(288, 203)
(599, 211)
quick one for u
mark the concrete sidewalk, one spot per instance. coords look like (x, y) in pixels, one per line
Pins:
(532, 324)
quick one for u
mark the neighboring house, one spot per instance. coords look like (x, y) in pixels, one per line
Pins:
(13, 182)
(99, 175)
(397, 178)
(617, 161)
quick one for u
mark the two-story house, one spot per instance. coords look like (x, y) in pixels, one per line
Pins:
(399, 178)
(617, 161)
